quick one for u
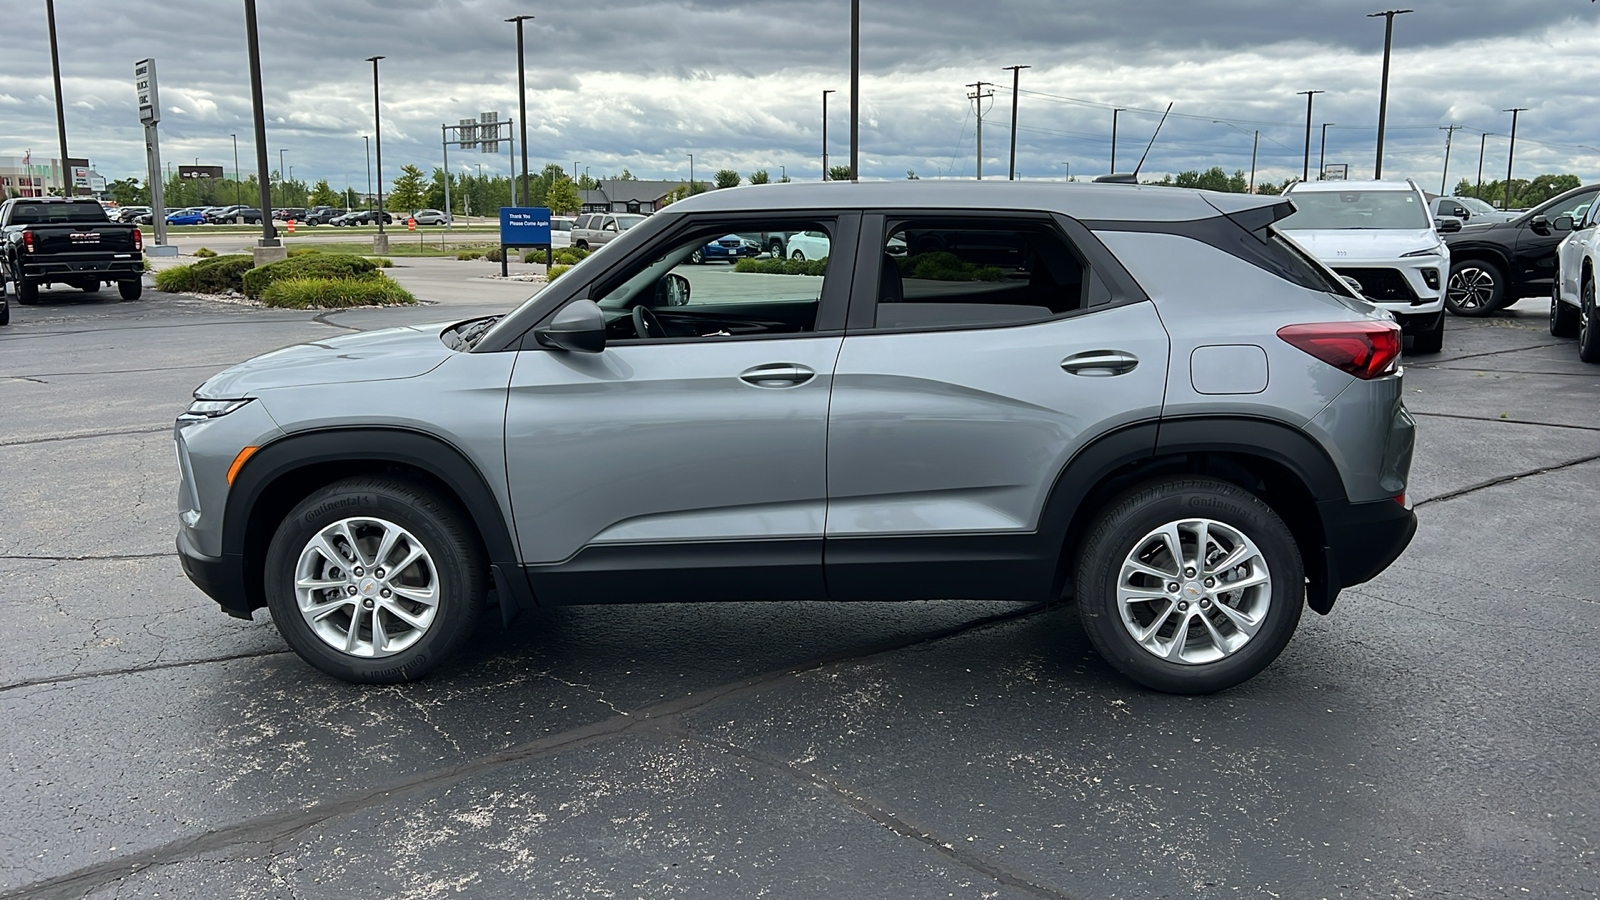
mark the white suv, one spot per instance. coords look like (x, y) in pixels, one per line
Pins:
(1380, 234)
(1572, 302)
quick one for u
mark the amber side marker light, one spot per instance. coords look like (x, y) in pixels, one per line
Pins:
(238, 462)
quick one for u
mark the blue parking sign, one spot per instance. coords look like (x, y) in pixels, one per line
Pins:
(524, 226)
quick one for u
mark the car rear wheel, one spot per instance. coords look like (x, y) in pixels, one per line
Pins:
(1476, 288)
(1190, 585)
(5, 310)
(130, 290)
(1589, 325)
(582, 245)
(1563, 316)
(797, 255)
(375, 580)
(27, 292)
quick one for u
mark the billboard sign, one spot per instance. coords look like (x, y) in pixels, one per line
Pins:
(144, 84)
(489, 132)
(1336, 172)
(524, 226)
(187, 172)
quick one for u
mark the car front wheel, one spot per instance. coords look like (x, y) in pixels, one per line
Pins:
(375, 580)
(798, 256)
(1589, 325)
(1476, 289)
(1563, 316)
(1190, 585)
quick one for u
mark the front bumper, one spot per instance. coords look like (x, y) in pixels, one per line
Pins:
(220, 577)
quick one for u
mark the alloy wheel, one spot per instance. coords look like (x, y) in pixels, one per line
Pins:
(1194, 591)
(367, 587)
(1471, 288)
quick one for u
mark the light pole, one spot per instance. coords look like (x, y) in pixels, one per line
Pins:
(783, 173)
(61, 116)
(238, 197)
(1068, 176)
(367, 142)
(269, 246)
(377, 138)
(574, 172)
(522, 100)
(1305, 171)
(1479, 191)
(1512, 154)
(855, 90)
(283, 188)
(691, 172)
(1016, 77)
(1114, 114)
(1255, 143)
(1383, 96)
(1322, 153)
(1444, 179)
(825, 133)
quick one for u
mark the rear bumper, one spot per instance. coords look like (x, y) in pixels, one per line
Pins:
(44, 269)
(1364, 538)
(220, 577)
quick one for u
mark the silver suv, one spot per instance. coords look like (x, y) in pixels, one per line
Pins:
(1145, 399)
(592, 230)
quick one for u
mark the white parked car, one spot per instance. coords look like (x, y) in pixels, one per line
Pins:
(1382, 235)
(807, 245)
(1572, 302)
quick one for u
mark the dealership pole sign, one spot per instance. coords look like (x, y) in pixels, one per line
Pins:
(144, 82)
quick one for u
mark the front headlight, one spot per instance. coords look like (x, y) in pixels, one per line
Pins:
(1436, 250)
(212, 409)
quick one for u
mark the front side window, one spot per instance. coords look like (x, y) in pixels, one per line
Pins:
(1320, 210)
(943, 272)
(719, 284)
(1574, 206)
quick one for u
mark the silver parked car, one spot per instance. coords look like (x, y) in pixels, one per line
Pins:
(1143, 398)
(592, 230)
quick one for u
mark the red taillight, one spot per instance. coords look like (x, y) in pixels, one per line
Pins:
(27, 240)
(138, 240)
(1364, 349)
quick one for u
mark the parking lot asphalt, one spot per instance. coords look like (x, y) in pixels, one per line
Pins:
(1435, 736)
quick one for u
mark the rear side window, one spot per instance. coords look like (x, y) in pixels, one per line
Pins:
(1285, 259)
(951, 273)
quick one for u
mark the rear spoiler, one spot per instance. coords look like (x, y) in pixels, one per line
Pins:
(1251, 216)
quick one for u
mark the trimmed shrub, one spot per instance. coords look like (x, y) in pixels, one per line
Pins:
(944, 266)
(205, 253)
(208, 276)
(570, 256)
(320, 265)
(469, 254)
(382, 262)
(555, 272)
(492, 254)
(302, 251)
(376, 289)
(782, 266)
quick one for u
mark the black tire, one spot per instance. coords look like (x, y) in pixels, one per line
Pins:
(1563, 316)
(5, 311)
(444, 532)
(583, 245)
(1476, 288)
(130, 290)
(776, 250)
(1125, 526)
(696, 257)
(798, 256)
(1589, 325)
(27, 292)
(1430, 339)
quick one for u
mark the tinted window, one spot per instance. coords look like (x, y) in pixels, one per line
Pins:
(39, 213)
(1356, 209)
(943, 272)
(1574, 206)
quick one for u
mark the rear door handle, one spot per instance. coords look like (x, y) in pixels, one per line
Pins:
(777, 375)
(1100, 363)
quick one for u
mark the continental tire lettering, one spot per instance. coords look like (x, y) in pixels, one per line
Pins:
(331, 505)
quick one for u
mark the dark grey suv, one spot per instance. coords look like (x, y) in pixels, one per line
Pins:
(1141, 398)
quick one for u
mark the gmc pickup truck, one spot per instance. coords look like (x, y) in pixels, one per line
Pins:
(55, 240)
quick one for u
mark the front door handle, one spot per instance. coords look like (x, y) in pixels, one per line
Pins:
(777, 375)
(1100, 363)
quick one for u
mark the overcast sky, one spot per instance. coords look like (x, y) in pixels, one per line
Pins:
(642, 83)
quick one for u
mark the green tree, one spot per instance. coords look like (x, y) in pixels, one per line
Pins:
(727, 178)
(129, 192)
(838, 173)
(625, 176)
(697, 187)
(911, 175)
(324, 194)
(585, 183)
(408, 192)
(350, 200)
(760, 176)
(563, 197)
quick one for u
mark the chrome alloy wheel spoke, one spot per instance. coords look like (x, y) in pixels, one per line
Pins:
(354, 599)
(1194, 591)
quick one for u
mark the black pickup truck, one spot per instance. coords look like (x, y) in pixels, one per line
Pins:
(55, 240)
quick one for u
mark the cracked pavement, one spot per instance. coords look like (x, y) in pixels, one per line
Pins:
(1433, 737)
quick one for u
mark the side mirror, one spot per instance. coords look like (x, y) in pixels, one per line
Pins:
(1462, 213)
(580, 326)
(1539, 224)
(672, 290)
(1562, 223)
(1353, 284)
(1448, 226)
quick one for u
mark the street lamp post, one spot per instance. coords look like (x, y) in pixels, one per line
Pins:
(238, 196)
(855, 90)
(269, 248)
(67, 188)
(1481, 141)
(283, 188)
(1068, 176)
(380, 244)
(1305, 171)
(783, 173)
(522, 101)
(1016, 78)
(825, 133)
(1383, 96)
(1512, 154)
(367, 143)
(1322, 153)
(691, 171)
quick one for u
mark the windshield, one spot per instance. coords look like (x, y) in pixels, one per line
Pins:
(626, 222)
(1475, 205)
(1319, 210)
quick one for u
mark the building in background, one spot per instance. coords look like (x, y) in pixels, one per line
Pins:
(628, 196)
(37, 176)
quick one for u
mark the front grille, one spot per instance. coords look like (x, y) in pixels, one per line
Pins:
(1382, 284)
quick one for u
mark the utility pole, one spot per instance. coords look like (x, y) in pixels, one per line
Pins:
(238, 197)
(522, 100)
(855, 90)
(1444, 179)
(1255, 143)
(68, 189)
(1305, 172)
(283, 185)
(825, 133)
(367, 142)
(269, 249)
(1512, 154)
(1481, 140)
(978, 96)
(691, 171)
(1068, 176)
(380, 244)
(1383, 95)
(1016, 74)
(1322, 154)
(1114, 114)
